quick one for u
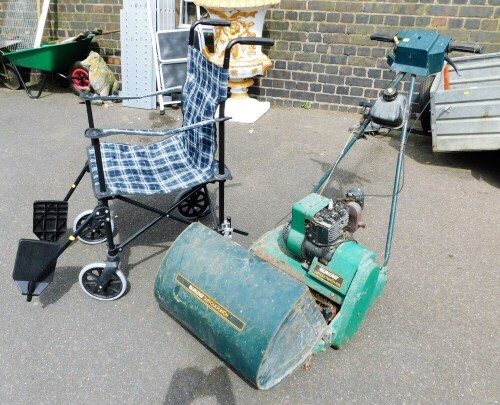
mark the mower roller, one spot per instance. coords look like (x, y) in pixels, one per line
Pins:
(306, 284)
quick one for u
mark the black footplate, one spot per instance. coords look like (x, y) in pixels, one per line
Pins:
(50, 219)
(35, 265)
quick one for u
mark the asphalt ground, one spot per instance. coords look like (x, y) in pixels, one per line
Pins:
(432, 337)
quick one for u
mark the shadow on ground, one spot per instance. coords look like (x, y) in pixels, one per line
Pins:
(190, 383)
(483, 165)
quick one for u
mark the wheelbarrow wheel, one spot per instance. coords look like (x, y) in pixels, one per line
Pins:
(79, 80)
(9, 77)
(89, 280)
(194, 207)
(424, 98)
(94, 233)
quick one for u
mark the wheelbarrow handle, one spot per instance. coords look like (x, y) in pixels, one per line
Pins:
(101, 32)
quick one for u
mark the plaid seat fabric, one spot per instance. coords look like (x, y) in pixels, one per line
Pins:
(181, 161)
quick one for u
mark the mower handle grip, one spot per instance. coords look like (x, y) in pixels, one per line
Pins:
(382, 38)
(465, 48)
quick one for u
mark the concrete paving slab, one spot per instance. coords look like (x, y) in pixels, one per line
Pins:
(432, 337)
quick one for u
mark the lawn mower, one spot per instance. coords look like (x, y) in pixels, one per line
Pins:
(307, 284)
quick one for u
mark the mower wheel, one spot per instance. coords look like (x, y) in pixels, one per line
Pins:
(94, 233)
(79, 80)
(8, 77)
(424, 101)
(194, 207)
(89, 279)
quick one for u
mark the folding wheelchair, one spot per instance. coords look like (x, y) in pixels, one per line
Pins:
(183, 161)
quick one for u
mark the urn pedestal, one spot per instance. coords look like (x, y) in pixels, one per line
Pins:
(247, 61)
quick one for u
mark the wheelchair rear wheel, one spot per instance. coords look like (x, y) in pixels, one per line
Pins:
(194, 207)
(89, 279)
(94, 233)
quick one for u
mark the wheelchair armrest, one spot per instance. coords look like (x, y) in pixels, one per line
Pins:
(95, 133)
(93, 96)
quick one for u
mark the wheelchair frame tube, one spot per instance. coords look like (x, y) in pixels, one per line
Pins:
(222, 139)
(77, 181)
(97, 148)
(222, 107)
(162, 214)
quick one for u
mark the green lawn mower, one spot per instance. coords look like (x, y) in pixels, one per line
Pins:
(308, 284)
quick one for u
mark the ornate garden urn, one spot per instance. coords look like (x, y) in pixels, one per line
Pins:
(247, 20)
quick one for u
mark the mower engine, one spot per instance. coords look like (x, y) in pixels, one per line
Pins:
(320, 236)
(319, 225)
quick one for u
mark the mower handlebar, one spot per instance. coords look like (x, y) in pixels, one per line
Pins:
(465, 48)
(453, 46)
(382, 38)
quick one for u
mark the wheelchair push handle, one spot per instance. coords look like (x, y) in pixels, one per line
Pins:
(383, 38)
(251, 41)
(469, 48)
(244, 41)
(212, 22)
(209, 22)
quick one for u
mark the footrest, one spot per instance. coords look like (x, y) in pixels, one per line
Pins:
(35, 265)
(50, 219)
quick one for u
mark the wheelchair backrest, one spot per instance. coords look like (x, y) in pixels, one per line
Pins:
(205, 87)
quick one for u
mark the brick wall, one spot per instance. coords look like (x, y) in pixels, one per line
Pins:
(323, 55)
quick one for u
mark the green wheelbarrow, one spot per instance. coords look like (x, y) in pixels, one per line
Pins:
(60, 57)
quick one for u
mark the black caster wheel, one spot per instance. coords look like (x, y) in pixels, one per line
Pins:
(89, 277)
(94, 233)
(194, 207)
